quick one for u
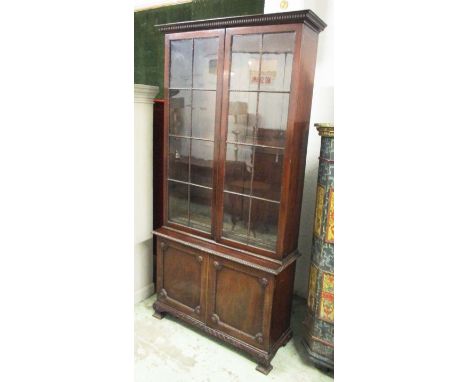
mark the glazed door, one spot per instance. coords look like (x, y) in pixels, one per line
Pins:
(256, 99)
(194, 64)
(181, 281)
(239, 301)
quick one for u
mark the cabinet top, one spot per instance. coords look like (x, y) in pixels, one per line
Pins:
(306, 16)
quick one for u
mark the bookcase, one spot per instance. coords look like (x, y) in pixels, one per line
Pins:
(238, 93)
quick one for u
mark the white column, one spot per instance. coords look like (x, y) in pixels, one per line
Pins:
(143, 189)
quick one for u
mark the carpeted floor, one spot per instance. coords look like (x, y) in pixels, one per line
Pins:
(170, 350)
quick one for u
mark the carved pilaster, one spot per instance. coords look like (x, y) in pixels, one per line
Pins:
(162, 294)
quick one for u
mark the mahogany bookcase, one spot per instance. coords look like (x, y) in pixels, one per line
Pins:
(238, 94)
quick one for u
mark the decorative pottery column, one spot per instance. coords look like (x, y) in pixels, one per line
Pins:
(318, 339)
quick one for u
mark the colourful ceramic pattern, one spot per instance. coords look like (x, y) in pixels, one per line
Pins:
(320, 313)
(312, 286)
(330, 231)
(326, 299)
(319, 210)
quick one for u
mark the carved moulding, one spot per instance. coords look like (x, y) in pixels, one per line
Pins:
(262, 357)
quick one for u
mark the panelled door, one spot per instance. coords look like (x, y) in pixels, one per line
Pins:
(182, 278)
(239, 301)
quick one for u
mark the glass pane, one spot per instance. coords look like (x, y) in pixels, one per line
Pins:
(201, 163)
(200, 208)
(268, 169)
(242, 116)
(245, 61)
(179, 158)
(178, 202)
(272, 119)
(263, 224)
(278, 42)
(247, 43)
(181, 64)
(277, 61)
(205, 63)
(238, 170)
(236, 217)
(180, 112)
(203, 114)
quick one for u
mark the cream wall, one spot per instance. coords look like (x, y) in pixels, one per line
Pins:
(143, 189)
(322, 111)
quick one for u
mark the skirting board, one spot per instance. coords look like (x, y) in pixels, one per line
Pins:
(143, 293)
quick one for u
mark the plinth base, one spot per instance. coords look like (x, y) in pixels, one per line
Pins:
(318, 360)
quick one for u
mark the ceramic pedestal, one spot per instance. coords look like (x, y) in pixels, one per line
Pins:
(318, 339)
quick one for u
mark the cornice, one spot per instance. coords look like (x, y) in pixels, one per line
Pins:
(307, 17)
(145, 93)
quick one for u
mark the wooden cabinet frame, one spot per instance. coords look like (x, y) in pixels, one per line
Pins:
(245, 290)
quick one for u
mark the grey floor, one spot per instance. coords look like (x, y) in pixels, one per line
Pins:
(169, 350)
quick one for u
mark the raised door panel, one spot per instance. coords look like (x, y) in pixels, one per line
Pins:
(240, 302)
(182, 278)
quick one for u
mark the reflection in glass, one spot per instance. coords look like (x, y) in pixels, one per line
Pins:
(192, 114)
(250, 221)
(205, 63)
(178, 202)
(178, 158)
(236, 217)
(180, 109)
(276, 71)
(272, 119)
(277, 61)
(264, 223)
(268, 170)
(203, 114)
(238, 168)
(278, 42)
(245, 61)
(201, 163)
(181, 64)
(246, 43)
(200, 208)
(242, 116)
